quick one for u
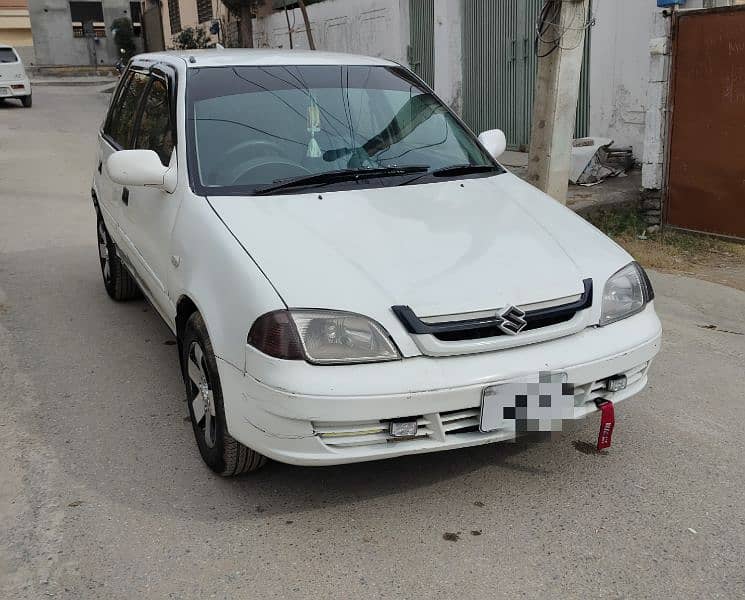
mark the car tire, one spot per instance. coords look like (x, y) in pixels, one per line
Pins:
(220, 451)
(26, 101)
(119, 283)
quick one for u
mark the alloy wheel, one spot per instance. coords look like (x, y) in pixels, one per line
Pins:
(201, 397)
(103, 251)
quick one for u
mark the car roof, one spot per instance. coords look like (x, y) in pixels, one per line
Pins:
(243, 57)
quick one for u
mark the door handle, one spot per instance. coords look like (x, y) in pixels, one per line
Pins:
(125, 196)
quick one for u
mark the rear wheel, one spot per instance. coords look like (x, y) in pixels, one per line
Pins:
(222, 453)
(120, 285)
(26, 101)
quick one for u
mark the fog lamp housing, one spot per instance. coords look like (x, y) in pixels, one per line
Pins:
(403, 429)
(616, 383)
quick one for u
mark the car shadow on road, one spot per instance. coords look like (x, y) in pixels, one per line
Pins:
(5, 104)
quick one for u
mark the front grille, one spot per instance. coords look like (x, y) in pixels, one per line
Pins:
(489, 327)
(460, 421)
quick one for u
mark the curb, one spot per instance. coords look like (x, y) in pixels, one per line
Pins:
(66, 83)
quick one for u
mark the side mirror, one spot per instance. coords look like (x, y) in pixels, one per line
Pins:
(140, 168)
(494, 141)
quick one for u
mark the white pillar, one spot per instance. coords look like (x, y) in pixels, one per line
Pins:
(555, 108)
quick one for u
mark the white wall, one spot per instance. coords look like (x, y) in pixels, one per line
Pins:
(372, 27)
(619, 70)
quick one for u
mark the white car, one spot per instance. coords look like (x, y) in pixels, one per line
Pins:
(349, 272)
(13, 80)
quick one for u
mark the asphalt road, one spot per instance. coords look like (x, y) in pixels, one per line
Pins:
(103, 494)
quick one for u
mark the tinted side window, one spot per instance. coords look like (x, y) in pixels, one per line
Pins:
(122, 120)
(156, 130)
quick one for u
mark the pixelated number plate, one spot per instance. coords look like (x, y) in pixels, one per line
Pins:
(539, 406)
(4, 92)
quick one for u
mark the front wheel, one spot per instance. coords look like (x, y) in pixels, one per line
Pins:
(222, 453)
(26, 101)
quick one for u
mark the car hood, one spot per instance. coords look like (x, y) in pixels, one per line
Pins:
(442, 249)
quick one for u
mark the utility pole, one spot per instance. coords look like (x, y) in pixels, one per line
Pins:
(560, 48)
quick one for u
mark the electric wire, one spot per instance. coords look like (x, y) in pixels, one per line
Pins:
(551, 31)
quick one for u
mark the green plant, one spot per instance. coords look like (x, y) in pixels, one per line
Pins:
(192, 38)
(124, 37)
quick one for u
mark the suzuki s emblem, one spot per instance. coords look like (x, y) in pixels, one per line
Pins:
(512, 320)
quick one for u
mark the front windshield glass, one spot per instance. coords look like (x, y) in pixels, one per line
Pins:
(251, 127)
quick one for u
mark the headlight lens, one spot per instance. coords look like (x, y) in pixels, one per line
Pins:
(625, 294)
(322, 337)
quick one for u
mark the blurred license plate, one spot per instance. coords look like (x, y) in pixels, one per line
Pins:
(534, 406)
(4, 91)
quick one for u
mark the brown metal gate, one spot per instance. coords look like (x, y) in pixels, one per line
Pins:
(706, 158)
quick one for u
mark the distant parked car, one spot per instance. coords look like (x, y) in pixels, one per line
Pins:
(13, 80)
(349, 272)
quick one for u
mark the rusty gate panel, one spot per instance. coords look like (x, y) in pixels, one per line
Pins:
(706, 158)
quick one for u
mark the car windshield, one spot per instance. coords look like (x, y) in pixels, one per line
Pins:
(7, 55)
(253, 127)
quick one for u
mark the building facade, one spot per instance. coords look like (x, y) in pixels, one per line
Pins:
(78, 32)
(15, 28)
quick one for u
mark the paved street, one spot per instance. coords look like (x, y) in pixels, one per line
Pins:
(103, 493)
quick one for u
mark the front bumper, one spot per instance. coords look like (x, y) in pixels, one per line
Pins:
(16, 88)
(341, 414)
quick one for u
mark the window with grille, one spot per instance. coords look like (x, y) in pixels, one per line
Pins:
(204, 10)
(174, 16)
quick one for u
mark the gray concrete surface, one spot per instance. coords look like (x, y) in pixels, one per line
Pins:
(103, 494)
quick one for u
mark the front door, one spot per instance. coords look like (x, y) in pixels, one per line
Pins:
(150, 213)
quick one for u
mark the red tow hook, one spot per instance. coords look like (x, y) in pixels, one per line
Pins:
(607, 422)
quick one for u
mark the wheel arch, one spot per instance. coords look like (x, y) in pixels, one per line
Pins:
(185, 308)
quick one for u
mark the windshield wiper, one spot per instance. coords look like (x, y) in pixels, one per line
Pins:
(330, 177)
(455, 171)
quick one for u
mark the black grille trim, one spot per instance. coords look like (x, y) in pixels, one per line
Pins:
(488, 327)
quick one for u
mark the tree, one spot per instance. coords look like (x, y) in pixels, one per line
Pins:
(124, 37)
(192, 38)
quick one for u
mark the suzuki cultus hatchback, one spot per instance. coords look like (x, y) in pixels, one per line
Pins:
(349, 272)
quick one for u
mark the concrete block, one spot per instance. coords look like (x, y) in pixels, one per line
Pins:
(652, 176)
(657, 92)
(659, 46)
(660, 25)
(654, 151)
(658, 68)
(653, 129)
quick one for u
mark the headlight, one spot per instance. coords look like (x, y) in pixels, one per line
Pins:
(625, 294)
(322, 337)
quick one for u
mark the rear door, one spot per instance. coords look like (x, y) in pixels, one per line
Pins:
(149, 215)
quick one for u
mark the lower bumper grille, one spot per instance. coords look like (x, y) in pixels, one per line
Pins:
(456, 424)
